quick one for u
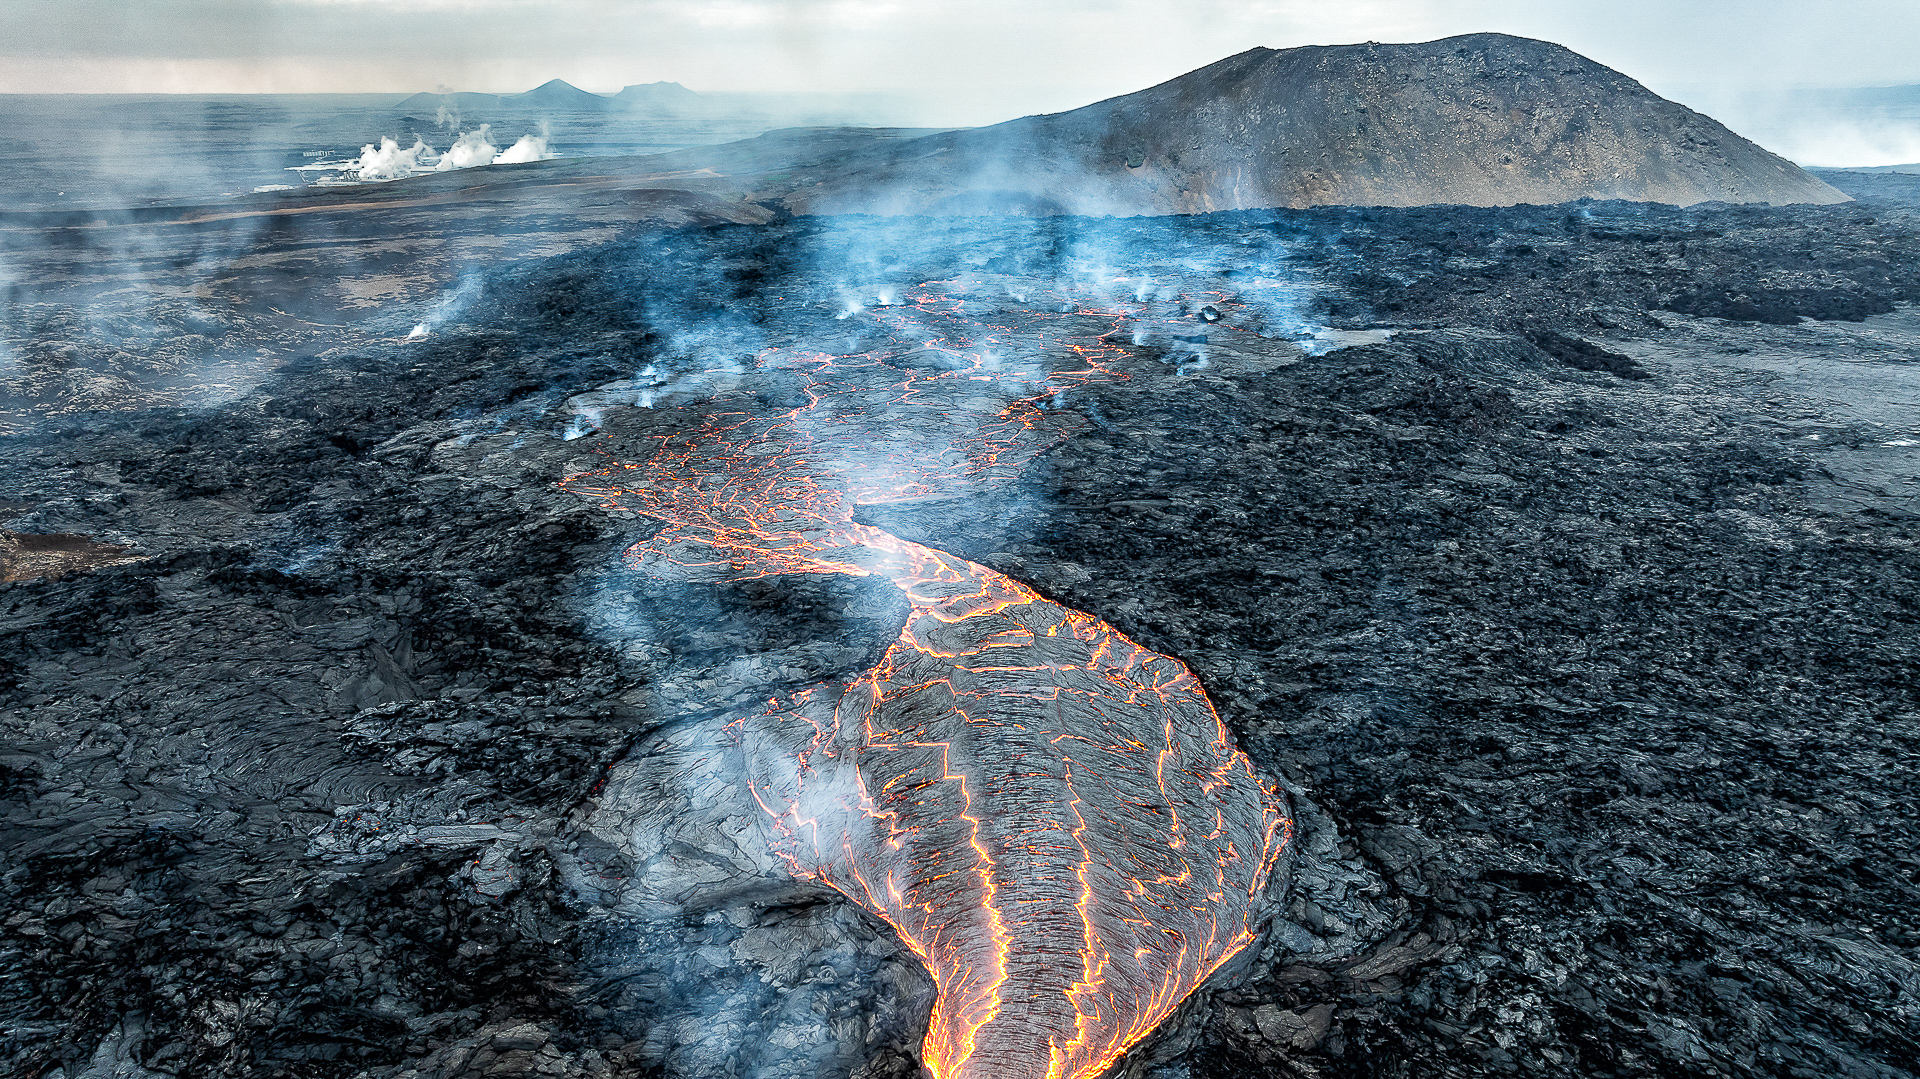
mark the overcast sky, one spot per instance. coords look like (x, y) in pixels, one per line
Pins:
(982, 59)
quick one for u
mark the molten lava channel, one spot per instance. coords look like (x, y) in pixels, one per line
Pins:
(1053, 818)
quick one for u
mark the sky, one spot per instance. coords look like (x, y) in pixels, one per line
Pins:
(967, 61)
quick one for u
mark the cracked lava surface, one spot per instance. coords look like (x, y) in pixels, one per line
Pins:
(1052, 817)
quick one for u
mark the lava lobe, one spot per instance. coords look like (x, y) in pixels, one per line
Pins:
(1053, 818)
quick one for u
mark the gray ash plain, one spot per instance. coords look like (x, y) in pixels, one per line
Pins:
(1588, 672)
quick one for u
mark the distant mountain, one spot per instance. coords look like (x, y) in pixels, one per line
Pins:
(1485, 119)
(556, 94)
(559, 94)
(462, 102)
(662, 95)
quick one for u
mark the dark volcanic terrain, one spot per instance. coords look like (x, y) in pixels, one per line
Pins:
(1559, 564)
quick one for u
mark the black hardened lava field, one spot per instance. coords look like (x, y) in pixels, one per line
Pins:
(1430, 642)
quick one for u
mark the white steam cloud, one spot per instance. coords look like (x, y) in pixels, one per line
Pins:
(527, 148)
(471, 149)
(388, 160)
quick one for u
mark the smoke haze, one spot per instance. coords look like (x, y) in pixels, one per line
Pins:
(969, 62)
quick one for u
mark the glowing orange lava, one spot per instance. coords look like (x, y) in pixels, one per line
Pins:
(1053, 818)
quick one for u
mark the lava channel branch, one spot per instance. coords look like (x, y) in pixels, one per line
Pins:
(1052, 817)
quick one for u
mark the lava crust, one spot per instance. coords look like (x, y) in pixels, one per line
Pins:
(1053, 818)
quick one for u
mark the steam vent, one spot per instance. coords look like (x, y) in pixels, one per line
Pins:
(1051, 817)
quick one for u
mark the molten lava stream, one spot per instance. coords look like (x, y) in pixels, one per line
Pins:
(1052, 817)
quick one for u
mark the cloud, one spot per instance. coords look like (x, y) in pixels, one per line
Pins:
(473, 148)
(978, 59)
(388, 161)
(525, 148)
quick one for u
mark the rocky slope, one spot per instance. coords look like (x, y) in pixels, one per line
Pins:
(1481, 120)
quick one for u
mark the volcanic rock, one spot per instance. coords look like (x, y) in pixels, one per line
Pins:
(24, 556)
(1482, 120)
(1591, 694)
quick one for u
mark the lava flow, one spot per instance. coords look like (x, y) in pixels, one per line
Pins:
(1053, 818)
